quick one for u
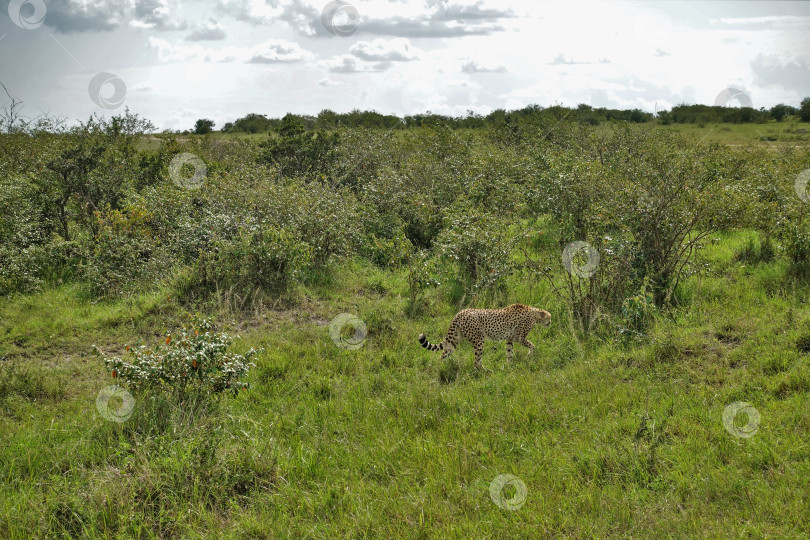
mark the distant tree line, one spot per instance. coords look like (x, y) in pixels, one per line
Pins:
(704, 114)
(585, 114)
(327, 119)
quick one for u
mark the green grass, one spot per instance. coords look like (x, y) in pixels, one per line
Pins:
(385, 441)
(773, 134)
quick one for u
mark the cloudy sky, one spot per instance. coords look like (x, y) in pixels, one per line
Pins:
(175, 61)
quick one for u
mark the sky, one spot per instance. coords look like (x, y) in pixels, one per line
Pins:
(176, 61)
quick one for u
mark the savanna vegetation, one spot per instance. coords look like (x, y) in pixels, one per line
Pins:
(582, 113)
(200, 273)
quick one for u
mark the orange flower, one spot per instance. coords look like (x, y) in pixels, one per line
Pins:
(127, 347)
(114, 374)
(168, 339)
(194, 363)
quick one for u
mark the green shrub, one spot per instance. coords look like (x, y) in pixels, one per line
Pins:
(421, 269)
(192, 365)
(798, 248)
(24, 237)
(637, 312)
(124, 253)
(297, 152)
(266, 258)
(668, 195)
(480, 246)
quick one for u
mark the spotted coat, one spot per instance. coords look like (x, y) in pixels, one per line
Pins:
(510, 324)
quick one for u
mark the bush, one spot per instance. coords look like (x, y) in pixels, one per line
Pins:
(297, 152)
(187, 368)
(637, 312)
(264, 258)
(24, 237)
(124, 253)
(479, 244)
(798, 248)
(421, 268)
(668, 196)
(388, 252)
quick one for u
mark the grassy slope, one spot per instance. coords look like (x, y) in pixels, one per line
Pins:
(772, 133)
(370, 443)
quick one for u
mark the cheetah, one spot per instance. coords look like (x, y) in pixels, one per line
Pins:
(509, 324)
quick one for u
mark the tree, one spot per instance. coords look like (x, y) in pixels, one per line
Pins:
(203, 126)
(665, 117)
(297, 152)
(91, 169)
(10, 115)
(804, 112)
(12, 120)
(778, 112)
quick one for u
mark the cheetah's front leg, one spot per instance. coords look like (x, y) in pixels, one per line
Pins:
(529, 344)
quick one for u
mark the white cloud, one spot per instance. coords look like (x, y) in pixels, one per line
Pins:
(211, 31)
(142, 87)
(347, 63)
(384, 50)
(472, 66)
(270, 51)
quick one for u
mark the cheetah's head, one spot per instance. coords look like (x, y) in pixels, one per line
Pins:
(542, 316)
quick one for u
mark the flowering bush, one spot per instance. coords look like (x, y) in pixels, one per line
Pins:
(193, 363)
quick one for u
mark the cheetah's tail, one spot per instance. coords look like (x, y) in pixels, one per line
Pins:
(428, 345)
